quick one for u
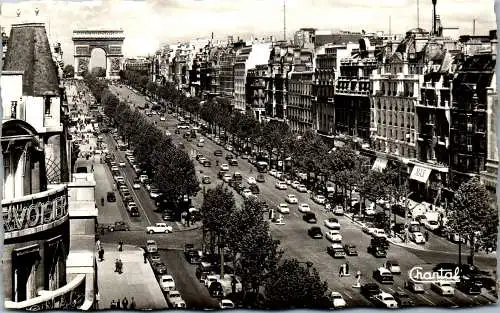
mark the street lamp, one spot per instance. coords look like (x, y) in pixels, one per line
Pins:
(407, 202)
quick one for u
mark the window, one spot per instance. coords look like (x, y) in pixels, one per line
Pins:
(13, 109)
(48, 102)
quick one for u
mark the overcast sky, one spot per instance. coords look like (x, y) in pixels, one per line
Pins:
(148, 24)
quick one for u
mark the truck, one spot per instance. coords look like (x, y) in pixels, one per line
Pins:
(159, 228)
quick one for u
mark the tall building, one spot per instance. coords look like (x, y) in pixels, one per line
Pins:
(299, 113)
(45, 261)
(280, 64)
(257, 80)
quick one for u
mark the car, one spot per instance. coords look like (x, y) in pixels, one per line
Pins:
(255, 189)
(315, 232)
(432, 225)
(251, 180)
(383, 276)
(207, 163)
(283, 208)
(468, 287)
(332, 223)
(159, 268)
(199, 144)
(443, 288)
(393, 267)
(295, 184)
(154, 193)
(229, 157)
(233, 162)
(205, 179)
(226, 178)
(273, 172)
(151, 246)
(114, 168)
(168, 215)
(368, 228)
(403, 299)
(292, 199)
(377, 251)
(302, 188)
(414, 286)
(202, 159)
(417, 237)
(370, 211)
(350, 250)
(378, 233)
(369, 290)
(260, 178)
(175, 299)
(167, 283)
(280, 185)
(304, 208)
(226, 304)
(162, 118)
(159, 228)
(122, 164)
(143, 178)
(137, 184)
(333, 235)
(154, 257)
(319, 199)
(216, 290)
(337, 300)
(310, 217)
(118, 225)
(110, 196)
(338, 210)
(229, 148)
(385, 300)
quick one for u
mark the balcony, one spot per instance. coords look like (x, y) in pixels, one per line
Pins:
(35, 213)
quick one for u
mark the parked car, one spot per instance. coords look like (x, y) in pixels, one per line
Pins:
(336, 251)
(403, 299)
(292, 199)
(159, 268)
(175, 299)
(302, 188)
(417, 237)
(226, 304)
(468, 286)
(385, 300)
(280, 185)
(151, 246)
(319, 199)
(443, 288)
(119, 225)
(369, 290)
(136, 184)
(283, 208)
(383, 276)
(414, 286)
(167, 283)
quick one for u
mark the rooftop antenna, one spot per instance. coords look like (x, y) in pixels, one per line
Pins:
(390, 33)
(418, 13)
(473, 27)
(284, 20)
(434, 17)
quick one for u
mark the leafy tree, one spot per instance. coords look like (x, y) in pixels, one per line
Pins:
(472, 216)
(218, 205)
(295, 286)
(69, 71)
(273, 135)
(311, 154)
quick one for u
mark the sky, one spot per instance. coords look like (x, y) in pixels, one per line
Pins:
(150, 23)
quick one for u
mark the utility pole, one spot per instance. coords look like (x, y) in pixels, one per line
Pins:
(284, 20)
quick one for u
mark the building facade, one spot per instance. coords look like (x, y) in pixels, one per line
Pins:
(299, 105)
(257, 80)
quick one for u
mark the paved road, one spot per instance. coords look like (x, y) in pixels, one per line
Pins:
(296, 243)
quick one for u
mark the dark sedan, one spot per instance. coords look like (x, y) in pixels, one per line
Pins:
(315, 232)
(159, 268)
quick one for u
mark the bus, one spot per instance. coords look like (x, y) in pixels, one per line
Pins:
(261, 166)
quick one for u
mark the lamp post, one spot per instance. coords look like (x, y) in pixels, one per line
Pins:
(407, 201)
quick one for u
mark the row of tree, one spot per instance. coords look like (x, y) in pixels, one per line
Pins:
(169, 167)
(343, 166)
(257, 258)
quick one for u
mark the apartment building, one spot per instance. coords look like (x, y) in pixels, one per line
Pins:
(257, 80)
(280, 64)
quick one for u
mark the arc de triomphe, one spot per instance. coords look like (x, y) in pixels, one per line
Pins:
(111, 41)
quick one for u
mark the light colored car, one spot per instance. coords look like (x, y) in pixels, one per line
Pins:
(332, 223)
(167, 133)
(162, 118)
(369, 211)
(136, 185)
(151, 246)
(431, 225)
(114, 168)
(143, 178)
(202, 160)
(224, 167)
(273, 172)
(443, 288)
(159, 228)
(280, 185)
(226, 178)
(333, 236)
(379, 233)
(175, 299)
(292, 199)
(393, 266)
(319, 199)
(338, 210)
(337, 300)
(229, 148)
(302, 188)
(154, 193)
(295, 184)
(167, 282)
(368, 229)
(304, 208)
(386, 300)
(251, 180)
(283, 208)
(226, 304)
(417, 238)
(122, 164)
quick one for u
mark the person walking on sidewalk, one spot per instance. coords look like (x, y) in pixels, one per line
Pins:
(120, 246)
(118, 304)
(98, 245)
(125, 303)
(117, 265)
(120, 266)
(97, 299)
(145, 255)
(113, 304)
(101, 255)
(132, 304)
(426, 235)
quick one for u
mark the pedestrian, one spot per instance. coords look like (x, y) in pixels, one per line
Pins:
(118, 304)
(426, 234)
(101, 254)
(132, 303)
(233, 285)
(347, 268)
(120, 266)
(97, 299)
(145, 257)
(98, 245)
(341, 270)
(125, 303)
(113, 304)
(117, 265)
(92, 168)
(120, 246)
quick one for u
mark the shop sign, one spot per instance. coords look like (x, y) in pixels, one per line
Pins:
(31, 213)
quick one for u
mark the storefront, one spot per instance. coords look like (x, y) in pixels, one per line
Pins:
(430, 183)
(380, 164)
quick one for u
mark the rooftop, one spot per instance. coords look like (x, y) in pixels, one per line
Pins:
(29, 51)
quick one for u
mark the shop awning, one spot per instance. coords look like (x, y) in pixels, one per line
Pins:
(420, 174)
(379, 165)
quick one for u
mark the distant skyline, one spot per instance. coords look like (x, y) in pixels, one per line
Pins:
(152, 23)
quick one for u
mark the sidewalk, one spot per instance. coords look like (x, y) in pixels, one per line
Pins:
(137, 279)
